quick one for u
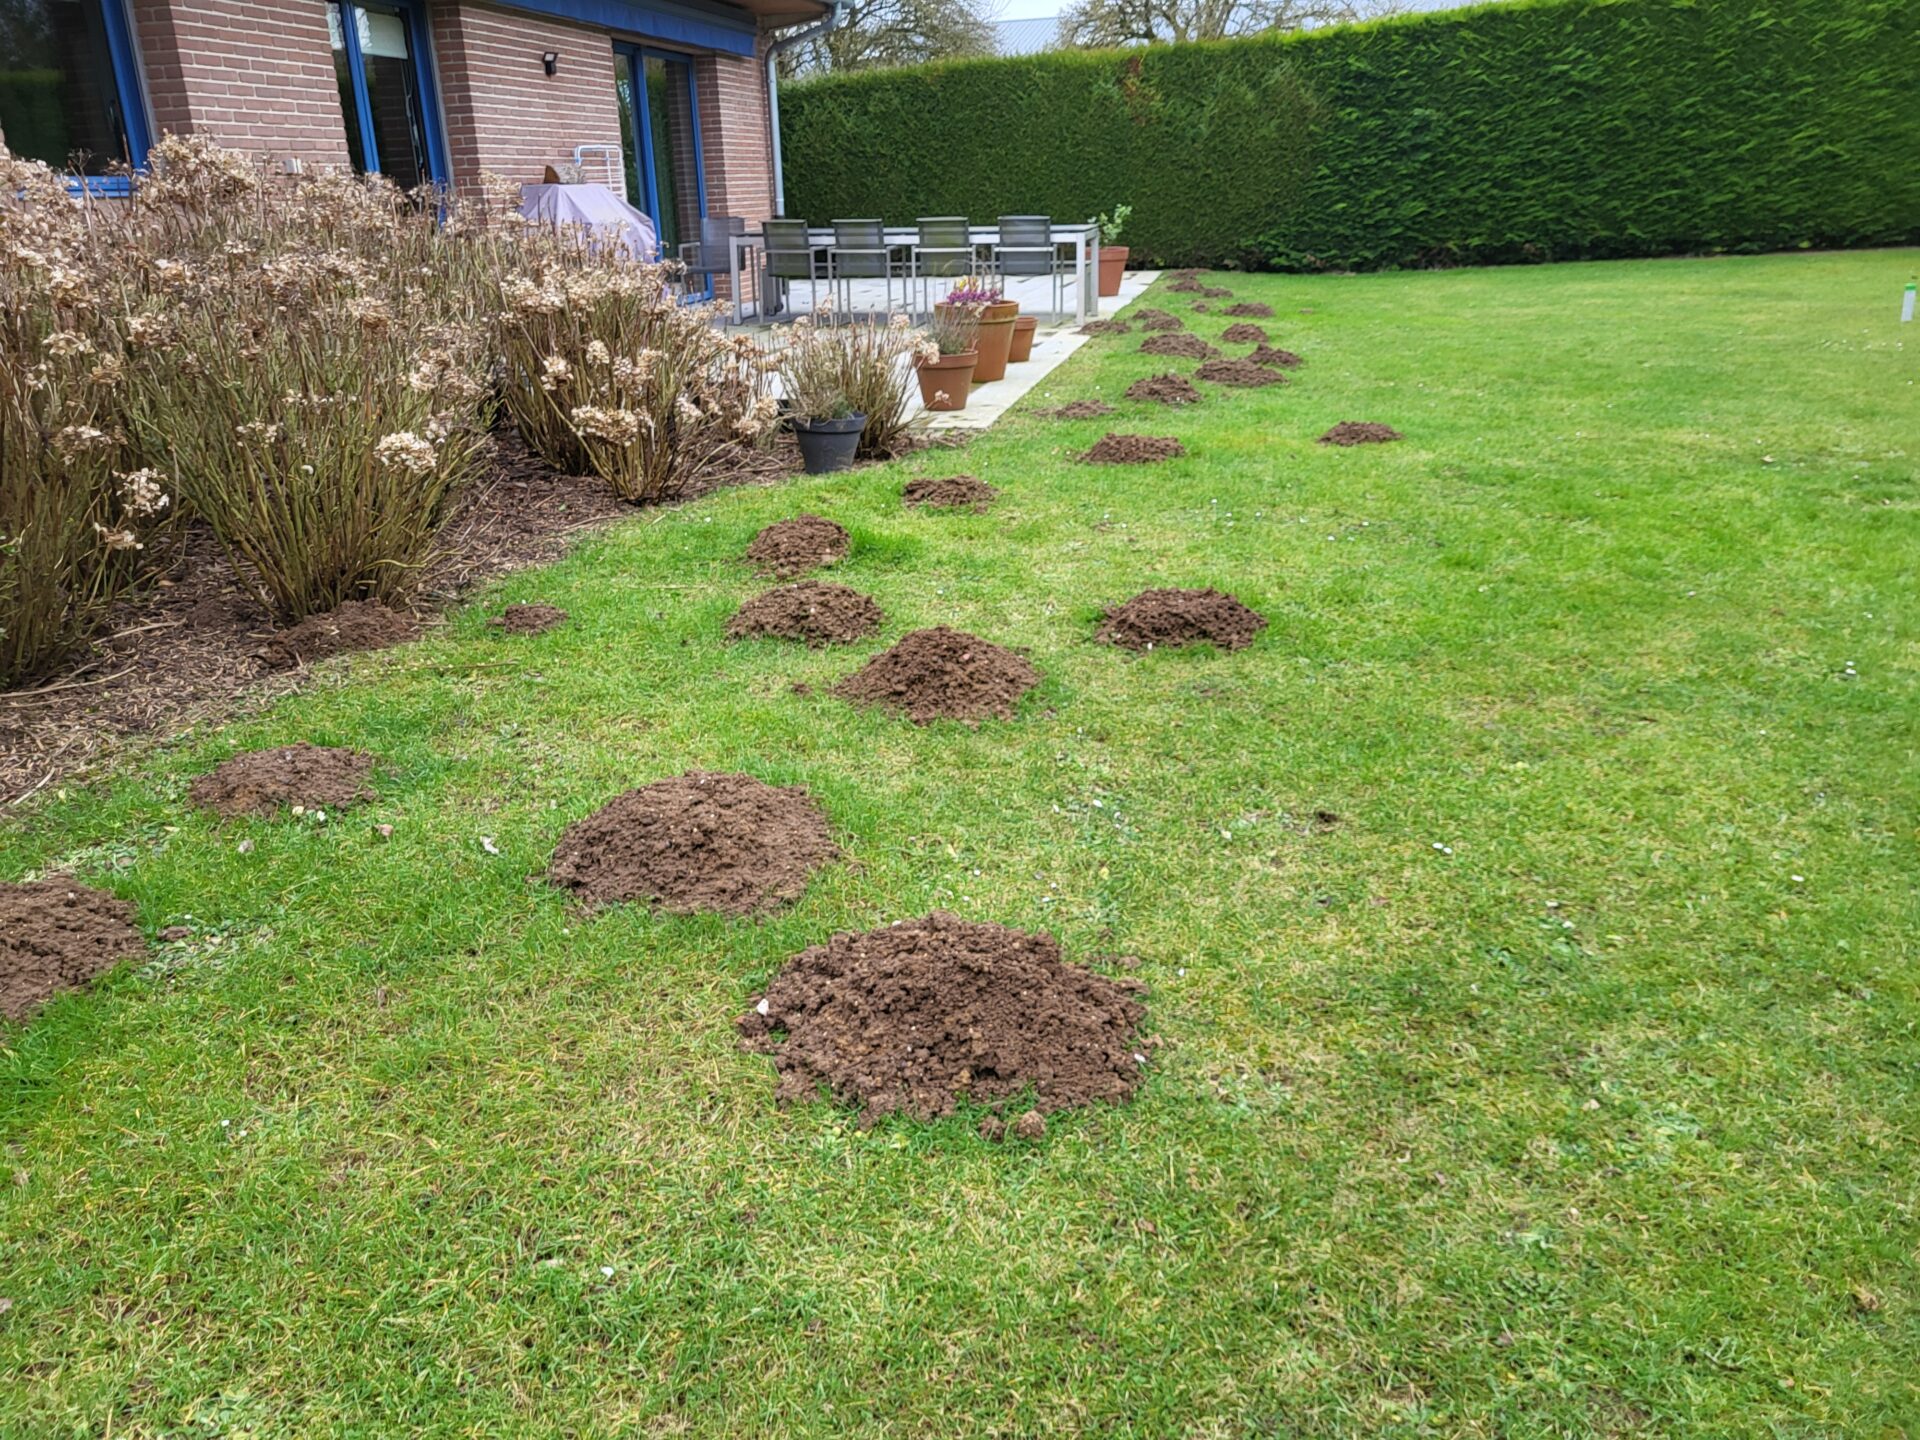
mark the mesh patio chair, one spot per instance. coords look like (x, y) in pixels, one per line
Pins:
(710, 255)
(860, 252)
(1026, 248)
(787, 255)
(943, 251)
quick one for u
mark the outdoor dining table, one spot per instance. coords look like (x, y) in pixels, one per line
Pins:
(1082, 236)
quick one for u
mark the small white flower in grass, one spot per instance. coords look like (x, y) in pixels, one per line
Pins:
(404, 450)
(486, 844)
(607, 1270)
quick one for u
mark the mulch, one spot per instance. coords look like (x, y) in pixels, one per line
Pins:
(942, 674)
(1180, 347)
(1243, 373)
(1360, 432)
(813, 612)
(299, 776)
(1160, 619)
(917, 1017)
(1168, 389)
(1113, 449)
(57, 935)
(699, 841)
(952, 492)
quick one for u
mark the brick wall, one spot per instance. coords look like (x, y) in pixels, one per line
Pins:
(252, 74)
(733, 134)
(504, 114)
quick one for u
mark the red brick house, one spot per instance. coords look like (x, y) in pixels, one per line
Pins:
(666, 97)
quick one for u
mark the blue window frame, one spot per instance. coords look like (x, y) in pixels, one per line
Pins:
(660, 118)
(70, 88)
(381, 59)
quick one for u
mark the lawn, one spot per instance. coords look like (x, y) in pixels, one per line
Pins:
(1564, 1086)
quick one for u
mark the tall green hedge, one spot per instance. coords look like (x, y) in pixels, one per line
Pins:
(1528, 129)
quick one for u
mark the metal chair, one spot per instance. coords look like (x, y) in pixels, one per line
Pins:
(787, 255)
(712, 254)
(859, 252)
(943, 251)
(1026, 248)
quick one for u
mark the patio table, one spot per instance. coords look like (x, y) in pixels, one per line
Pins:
(1081, 235)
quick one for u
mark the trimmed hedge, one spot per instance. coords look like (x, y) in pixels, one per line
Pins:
(1527, 130)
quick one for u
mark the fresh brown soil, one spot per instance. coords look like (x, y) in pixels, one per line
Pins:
(1157, 320)
(1239, 372)
(1080, 410)
(918, 1016)
(534, 619)
(1244, 334)
(1359, 432)
(57, 935)
(942, 674)
(1250, 310)
(699, 841)
(1187, 285)
(1106, 327)
(1112, 449)
(1167, 389)
(1181, 347)
(189, 650)
(1217, 292)
(951, 493)
(1200, 307)
(812, 611)
(793, 547)
(262, 782)
(1157, 619)
(1282, 359)
(356, 625)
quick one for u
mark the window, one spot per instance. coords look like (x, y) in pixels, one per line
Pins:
(69, 87)
(386, 91)
(660, 124)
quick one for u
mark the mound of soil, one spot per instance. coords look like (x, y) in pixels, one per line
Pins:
(1239, 372)
(812, 611)
(1081, 410)
(1359, 432)
(1182, 347)
(700, 841)
(534, 619)
(1217, 292)
(1282, 359)
(917, 1016)
(56, 935)
(261, 782)
(1112, 449)
(1167, 389)
(793, 547)
(1161, 618)
(1242, 333)
(1250, 310)
(942, 674)
(953, 492)
(356, 625)
(1187, 285)
(1106, 327)
(1158, 320)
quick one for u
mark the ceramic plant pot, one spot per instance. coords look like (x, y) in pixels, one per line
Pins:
(944, 382)
(1113, 264)
(828, 445)
(1023, 328)
(995, 343)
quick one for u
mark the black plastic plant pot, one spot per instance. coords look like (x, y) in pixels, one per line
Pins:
(828, 445)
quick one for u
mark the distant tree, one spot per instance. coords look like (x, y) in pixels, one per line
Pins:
(1092, 24)
(877, 33)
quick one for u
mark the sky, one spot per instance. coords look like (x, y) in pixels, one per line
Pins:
(1032, 9)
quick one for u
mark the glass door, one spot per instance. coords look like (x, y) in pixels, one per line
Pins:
(660, 116)
(385, 91)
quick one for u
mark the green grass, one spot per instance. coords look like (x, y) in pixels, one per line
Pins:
(1603, 1122)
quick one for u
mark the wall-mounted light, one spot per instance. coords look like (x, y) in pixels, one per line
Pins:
(552, 61)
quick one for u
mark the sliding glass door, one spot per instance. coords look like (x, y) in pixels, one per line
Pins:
(69, 87)
(660, 116)
(386, 90)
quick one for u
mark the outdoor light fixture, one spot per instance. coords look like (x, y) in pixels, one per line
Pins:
(552, 61)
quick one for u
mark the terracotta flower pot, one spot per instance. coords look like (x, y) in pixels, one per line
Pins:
(995, 344)
(944, 382)
(1003, 310)
(1023, 328)
(1113, 263)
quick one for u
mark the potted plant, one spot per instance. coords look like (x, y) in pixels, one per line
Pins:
(1113, 258)
(946, 364)
(813, 382)
(994, 323)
